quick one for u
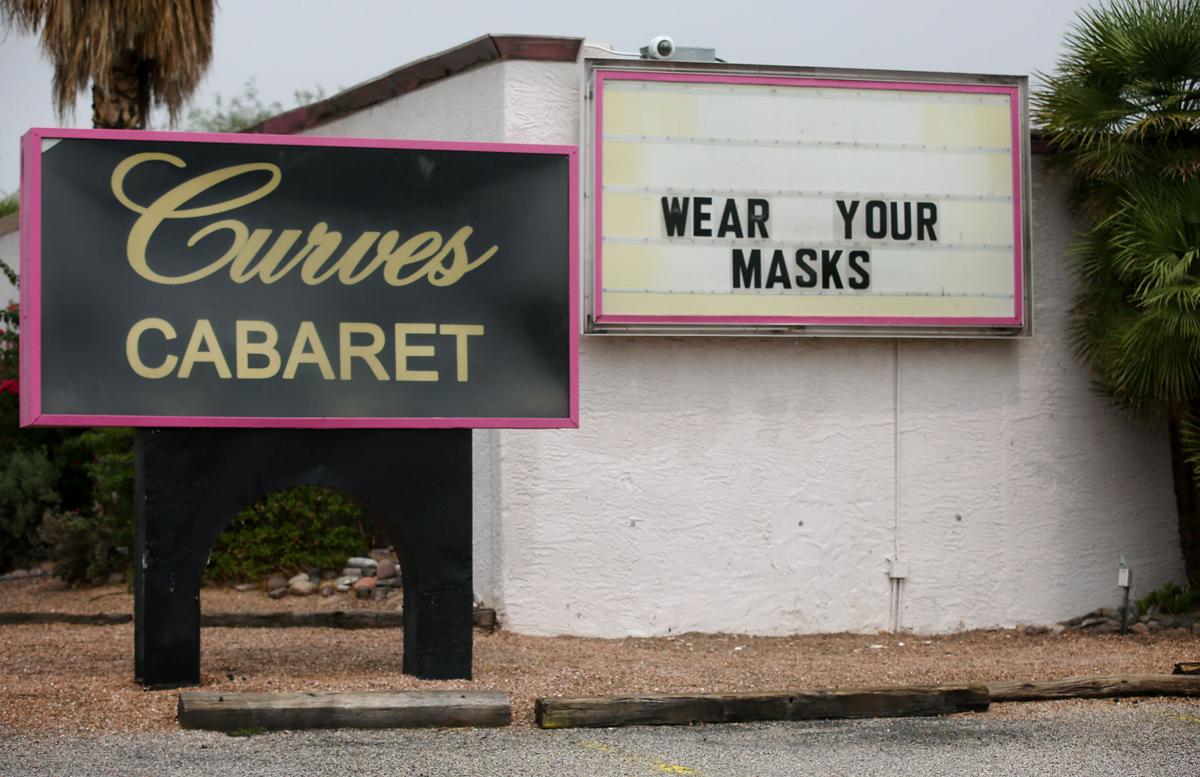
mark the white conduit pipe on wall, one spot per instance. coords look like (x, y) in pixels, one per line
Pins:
(896, 583)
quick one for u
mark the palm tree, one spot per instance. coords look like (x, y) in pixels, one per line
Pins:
(1123, 118)
(131, 52)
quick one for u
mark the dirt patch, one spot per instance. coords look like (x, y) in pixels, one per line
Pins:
(79, 679)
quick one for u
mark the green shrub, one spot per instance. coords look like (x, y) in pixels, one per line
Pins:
(37, 471)
(108, 461)
(72, 540)
(1171, 599)
(291, 531)
(87, 545)
(27, 480)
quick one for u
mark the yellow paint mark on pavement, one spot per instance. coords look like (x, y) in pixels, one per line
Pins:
(665, 767)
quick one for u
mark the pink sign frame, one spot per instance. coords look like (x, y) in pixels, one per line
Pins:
(1019, 316)
(31, 413)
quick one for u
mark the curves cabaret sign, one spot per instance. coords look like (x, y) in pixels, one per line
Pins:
(197, 280)
(778, 202)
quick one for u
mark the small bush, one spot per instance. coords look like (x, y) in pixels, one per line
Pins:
(1171, 599)
(27, 480)
(72, 540)
(88, 544)
(291, 531)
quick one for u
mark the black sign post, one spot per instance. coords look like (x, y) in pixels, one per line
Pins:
(191, 482)
(280, 311)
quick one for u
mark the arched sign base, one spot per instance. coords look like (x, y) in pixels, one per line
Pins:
(191, 483)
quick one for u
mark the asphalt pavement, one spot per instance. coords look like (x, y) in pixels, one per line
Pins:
(1159, 737)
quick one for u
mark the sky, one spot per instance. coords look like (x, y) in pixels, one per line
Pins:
(289, 45)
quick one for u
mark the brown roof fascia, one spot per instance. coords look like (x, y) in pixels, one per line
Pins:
(408, 78)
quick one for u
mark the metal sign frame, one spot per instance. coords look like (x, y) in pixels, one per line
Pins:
(33, 409)
(596, 322)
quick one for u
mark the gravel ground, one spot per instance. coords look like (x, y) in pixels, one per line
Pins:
(1154, 737)
(78, 679)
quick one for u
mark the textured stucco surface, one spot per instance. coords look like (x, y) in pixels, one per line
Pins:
(469, 107)
(749, 485)
(10, 252)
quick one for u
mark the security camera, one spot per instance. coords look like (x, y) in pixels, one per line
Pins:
(661, 47)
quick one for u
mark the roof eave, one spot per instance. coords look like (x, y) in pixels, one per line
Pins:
(423, 72)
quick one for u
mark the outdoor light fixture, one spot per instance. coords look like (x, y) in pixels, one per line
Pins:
(663, 47)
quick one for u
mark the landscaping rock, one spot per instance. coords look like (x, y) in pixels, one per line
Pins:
(342, 587)
(304, 587)
(1139, 628)
(391, 582)
(354, 572)
(244, 587)
(1152, 625)
(18, 574)
(302, 577)
(1178, 631)
(276, 581)
(379, 594)
(327, 588)
(363, 587)
(116, 578)
(387, 570)
(329, 574)
(379, 555)
(362, 563)
(1057, 629)
(277, 593)
(347, 581)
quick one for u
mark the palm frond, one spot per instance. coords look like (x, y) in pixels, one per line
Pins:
(171, 41)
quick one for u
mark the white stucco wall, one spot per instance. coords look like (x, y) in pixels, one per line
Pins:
(469, 106)
(10, 252)
(750, 485)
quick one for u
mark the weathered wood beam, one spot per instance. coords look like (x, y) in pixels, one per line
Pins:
(69, 618)
(484, 619)
(275, 711)
(1097, 687)
(740, 707)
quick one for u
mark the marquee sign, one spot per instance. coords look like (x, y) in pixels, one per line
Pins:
(175, 279)
(779, 202)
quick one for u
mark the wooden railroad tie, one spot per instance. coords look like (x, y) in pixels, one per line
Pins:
(410, 709)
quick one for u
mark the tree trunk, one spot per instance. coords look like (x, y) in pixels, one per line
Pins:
(1186, 502)
(122, 100)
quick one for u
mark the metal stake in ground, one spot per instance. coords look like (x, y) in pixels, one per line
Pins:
(1124, 578)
